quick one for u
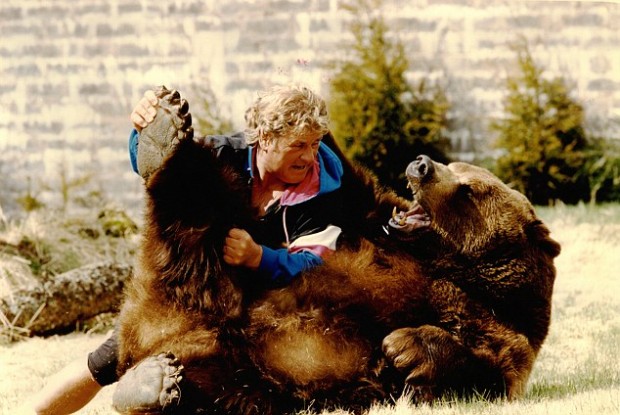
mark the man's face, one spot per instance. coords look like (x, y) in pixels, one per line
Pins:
(290, 158)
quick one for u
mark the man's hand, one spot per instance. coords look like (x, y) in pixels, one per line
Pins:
(144, 112)
(240, 249)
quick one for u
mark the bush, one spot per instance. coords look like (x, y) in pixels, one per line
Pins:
(542, 137)
(116, 223)
(602, 168)
(29, 202)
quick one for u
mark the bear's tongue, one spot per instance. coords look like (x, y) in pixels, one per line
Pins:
(416, 210)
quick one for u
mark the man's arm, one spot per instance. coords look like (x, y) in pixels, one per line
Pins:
(305, 252)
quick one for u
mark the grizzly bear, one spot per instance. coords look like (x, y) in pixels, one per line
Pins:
(451, 295)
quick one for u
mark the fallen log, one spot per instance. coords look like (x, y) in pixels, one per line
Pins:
(65, 300)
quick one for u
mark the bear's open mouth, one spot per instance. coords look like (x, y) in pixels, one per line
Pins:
(414, 218)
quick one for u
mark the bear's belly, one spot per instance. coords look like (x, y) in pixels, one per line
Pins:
(309, 354)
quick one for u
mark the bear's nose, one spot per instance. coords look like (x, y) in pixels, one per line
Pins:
(421, 167)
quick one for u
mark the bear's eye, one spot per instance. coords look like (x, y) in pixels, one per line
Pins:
(465, 190)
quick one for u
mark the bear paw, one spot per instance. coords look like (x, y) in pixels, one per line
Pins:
(419, 353)
(152, 386)
(172, 123)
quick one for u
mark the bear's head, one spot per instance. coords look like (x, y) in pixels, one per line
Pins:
(472, 210)
(485, 237)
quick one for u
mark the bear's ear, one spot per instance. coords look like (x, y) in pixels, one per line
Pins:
(537, 231)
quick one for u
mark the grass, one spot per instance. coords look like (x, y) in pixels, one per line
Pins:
(577, 371)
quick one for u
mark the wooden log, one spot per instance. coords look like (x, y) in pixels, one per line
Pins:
(65, 300)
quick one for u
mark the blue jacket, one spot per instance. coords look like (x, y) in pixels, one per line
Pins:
(299, 231)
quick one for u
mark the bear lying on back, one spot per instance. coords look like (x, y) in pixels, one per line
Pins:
(460, 303)
(454, 298)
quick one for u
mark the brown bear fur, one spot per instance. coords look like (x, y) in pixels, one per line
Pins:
(461, 305)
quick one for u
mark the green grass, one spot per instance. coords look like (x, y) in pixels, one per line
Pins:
(577, 371)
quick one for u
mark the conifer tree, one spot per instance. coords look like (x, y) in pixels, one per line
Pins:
(542, 136)
(378, 118)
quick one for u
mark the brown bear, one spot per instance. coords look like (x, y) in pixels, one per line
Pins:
(452, 295)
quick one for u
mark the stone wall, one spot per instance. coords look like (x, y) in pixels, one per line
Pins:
(71, 70)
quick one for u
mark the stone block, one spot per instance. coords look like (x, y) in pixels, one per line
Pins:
(600, 64)
(604, 85)
(6, 89)
(84, 9)
(207, 26)
(24, 70)
(413, 24)
(269, 27)
(318, 25)
(13, 29)
(290, 6)
(48, 91)
(232, 68)
(41, 50)
(189, 8)
(10, 14)
(48, 12)
(490, 24)
(131, 50)
(95, 89)
(50, 127)
(526, 21)
(125, 29)
(81, 30)
(584, 19)
(92, 50)
(104, 30)
(259, 67)
(128, 8)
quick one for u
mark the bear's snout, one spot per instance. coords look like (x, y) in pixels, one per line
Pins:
(420, 168)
